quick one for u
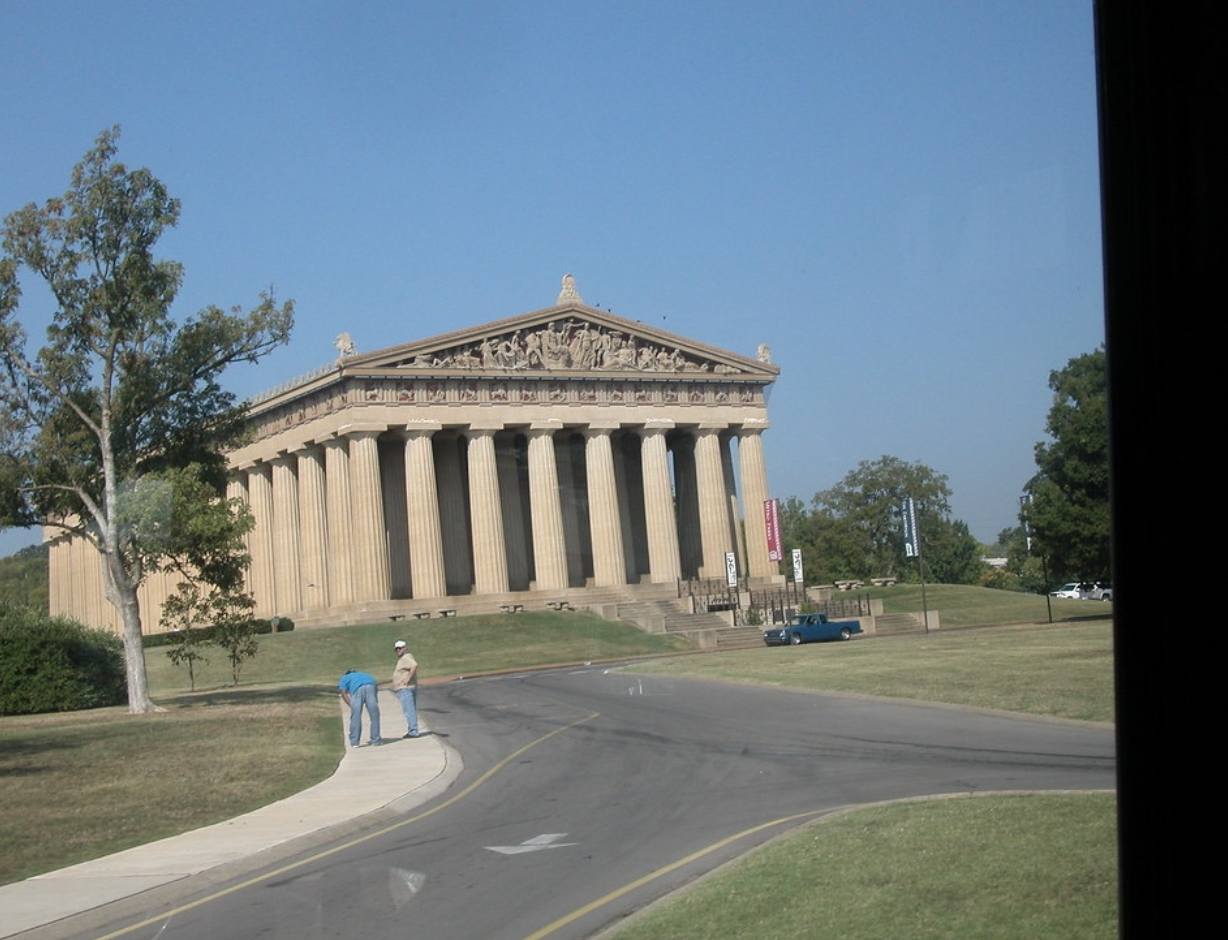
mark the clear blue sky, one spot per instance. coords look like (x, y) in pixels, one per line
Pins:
(900, 198)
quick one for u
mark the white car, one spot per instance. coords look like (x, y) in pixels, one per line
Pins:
(1097, 591)
(1085, 591)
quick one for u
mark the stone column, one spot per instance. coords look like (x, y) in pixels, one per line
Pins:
(609, 560)
(90, 587)
(260, 496)
(629, 480)
(236, 490)
(59, 572)
(370, 536)
(313, 525)
(753, 471)
(396, 516)
(422, 497)
(490, 575)
(663, 558)
(573, 502)
(690, 548)
(549, 548)
(453, 513)
(713, 510)
(340, 514)
(517, 547)
(733, 512)
(287, 538)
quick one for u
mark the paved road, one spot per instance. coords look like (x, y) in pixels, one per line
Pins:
(588, 793)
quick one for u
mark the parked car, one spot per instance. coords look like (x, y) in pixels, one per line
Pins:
(1085, 591)
(811, 628)
(1070, 591)
(1097, 591)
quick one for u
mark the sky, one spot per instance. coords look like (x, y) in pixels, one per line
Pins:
(899, 197)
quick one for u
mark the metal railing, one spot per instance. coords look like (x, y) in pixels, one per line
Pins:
(763, 605)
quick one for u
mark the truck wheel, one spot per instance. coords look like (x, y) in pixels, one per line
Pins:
(795, 639)
(846, 633)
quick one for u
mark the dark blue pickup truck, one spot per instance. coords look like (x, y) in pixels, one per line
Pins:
(809, 628)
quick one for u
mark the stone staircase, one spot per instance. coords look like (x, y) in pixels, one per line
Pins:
(896, 624)
(705, 630)
(654, 608)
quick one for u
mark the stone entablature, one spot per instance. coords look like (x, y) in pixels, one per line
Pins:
(452, 400)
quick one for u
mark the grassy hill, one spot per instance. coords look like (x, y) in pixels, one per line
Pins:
(962, 605)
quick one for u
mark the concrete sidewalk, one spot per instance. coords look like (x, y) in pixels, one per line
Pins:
(400, 775)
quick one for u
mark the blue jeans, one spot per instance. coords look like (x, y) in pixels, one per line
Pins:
(409, 705)
(365, 696)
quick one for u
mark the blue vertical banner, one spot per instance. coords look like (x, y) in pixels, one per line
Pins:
(912, 538)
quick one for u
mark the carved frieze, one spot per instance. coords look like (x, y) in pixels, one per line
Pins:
(438, 392)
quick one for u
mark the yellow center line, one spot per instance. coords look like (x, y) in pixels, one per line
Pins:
(664, 870)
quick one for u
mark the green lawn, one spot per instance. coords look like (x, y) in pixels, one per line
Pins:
(1064, 670)
(962, 605)
(444, 647)
(975, 868)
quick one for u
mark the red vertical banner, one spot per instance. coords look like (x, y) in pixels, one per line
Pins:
(771, 523)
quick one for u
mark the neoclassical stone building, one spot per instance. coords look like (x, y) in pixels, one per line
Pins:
(520, 460)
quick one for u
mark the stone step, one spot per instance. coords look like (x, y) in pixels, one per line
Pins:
(599, 600)
(891, 624)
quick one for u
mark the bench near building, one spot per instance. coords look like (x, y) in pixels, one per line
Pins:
(509, 462)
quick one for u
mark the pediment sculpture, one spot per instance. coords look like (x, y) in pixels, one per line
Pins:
(568, 344)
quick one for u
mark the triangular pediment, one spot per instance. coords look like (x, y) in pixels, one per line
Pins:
(568, 338)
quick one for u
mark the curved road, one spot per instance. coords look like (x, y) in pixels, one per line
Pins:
(588, 793)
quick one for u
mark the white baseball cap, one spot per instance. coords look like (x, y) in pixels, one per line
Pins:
(399, 645)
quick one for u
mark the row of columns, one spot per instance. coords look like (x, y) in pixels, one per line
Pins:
(374, 513)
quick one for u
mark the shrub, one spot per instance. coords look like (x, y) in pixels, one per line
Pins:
(54, 664)
(278, 625)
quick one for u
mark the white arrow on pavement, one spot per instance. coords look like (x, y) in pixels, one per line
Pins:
(548, 840)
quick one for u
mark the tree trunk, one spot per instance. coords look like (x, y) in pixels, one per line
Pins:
(123, 595)
(139, 701)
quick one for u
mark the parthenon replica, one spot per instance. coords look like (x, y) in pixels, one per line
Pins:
(524, 460)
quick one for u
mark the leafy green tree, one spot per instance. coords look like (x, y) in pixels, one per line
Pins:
(831, 549)
(1024, 570)
(853, 531)
(187, 647)
(199, 616)
(235, 632)
(188, 639)
(1067, 512)
(114, 430)
(951, 554)
(868, 503)
(23, 578)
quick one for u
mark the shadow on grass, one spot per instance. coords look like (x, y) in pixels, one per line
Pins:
(30, 755)
(262, 695)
